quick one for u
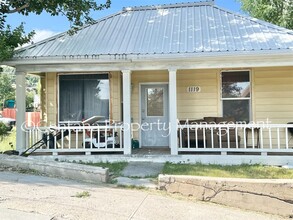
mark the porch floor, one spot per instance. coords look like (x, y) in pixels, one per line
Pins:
(145, 151)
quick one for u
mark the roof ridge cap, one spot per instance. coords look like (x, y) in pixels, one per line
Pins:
(165, 6)
(256, 20)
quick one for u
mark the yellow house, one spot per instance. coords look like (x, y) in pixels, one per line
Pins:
(192, 78)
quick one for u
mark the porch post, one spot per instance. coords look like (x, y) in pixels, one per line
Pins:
(173, 111)
(127, 111)
(20, 111)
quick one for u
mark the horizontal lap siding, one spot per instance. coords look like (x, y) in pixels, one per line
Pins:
(273, 94)
(138, 77)
(51, 98)
(202, 104)
(43, 101)
(115, 86)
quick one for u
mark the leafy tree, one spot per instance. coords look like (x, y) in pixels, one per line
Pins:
(76, 11)
(3, 131)
(279, 12)
(6, 89)
(11, 39)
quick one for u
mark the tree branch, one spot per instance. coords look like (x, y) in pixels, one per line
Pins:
(18, 9)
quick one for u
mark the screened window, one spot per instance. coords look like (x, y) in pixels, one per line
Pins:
(236, 95)
(83, 96)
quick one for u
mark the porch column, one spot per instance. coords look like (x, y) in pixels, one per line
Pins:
(173, 111)
(20, 111)
(127, 111)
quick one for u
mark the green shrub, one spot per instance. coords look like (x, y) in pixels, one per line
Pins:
(3, 130)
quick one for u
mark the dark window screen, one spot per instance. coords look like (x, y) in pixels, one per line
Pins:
(83, 96)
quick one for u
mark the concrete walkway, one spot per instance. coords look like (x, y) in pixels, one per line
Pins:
(25, 196)
(140, 174)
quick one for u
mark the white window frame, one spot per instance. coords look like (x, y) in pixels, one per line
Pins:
(244, 98)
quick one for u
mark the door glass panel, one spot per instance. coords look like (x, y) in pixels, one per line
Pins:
(155, 101)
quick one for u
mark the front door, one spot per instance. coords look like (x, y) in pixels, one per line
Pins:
(154, 115)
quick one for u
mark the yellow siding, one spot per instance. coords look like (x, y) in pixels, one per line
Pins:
(138, 77)
(273, 94)
(115, 100)
(202, 104)
(43, 99)
(189, 105)
(51, 98)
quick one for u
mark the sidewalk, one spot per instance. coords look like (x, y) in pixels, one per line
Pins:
(49, 198)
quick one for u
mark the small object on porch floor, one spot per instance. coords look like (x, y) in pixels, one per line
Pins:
(134, 144)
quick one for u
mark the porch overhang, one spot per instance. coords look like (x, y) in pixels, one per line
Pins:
(155, 62)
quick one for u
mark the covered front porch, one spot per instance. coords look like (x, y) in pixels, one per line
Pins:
(193, 96)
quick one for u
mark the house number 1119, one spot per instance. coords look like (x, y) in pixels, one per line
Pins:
(193, 89)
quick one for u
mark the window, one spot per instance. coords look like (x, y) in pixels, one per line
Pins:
(236, 95)
(155, 102)
(83, 96)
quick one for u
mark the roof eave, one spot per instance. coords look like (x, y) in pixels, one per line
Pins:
(150, 57)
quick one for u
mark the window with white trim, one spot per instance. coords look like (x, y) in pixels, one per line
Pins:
(236, 95)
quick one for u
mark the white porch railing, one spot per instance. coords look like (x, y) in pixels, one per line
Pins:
(263, 138)
(106, 138)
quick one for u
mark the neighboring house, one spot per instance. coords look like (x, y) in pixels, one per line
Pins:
(192, 61)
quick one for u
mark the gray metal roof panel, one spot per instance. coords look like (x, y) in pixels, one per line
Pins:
(168, 29)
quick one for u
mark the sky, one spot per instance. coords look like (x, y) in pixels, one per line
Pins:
(46, 25)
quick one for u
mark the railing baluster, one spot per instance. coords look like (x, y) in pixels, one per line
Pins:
(228, 136)
(76, 138)
(287, 139)
(188, 137)
(48, 138)
(220, 138)
(196, 138)
(252, 137)
(204, 138)
(236, 137)
(113, 134)
(270, 137)
(180, 137)
(55, 140)
(99, 137)
(83, 137)
(69, 137)
(62, 139)
(121, 143)
(261, 138)
(278, 136)
(244, 137)
(212, 137)
(91, 137)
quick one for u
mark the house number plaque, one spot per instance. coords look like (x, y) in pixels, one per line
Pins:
(193, 89)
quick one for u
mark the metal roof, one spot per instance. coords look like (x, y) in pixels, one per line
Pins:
(187, 28)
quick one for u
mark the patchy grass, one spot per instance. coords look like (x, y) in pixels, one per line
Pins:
(236, 171)
(115, 168)
(9, 141)
(83, 194)
(132, 187)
